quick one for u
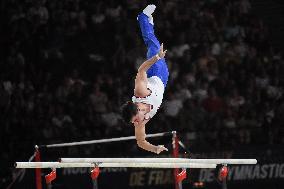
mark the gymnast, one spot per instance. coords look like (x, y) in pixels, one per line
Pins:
(150, 82)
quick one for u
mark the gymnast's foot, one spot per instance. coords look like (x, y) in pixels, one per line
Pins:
(149, 11)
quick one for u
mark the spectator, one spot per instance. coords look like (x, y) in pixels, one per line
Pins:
(172, 105)
(213, 103)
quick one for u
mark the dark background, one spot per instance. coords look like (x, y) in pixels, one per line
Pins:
(67, 66)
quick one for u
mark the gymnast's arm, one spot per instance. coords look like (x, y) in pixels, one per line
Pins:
(148, 63)
(141, 77)
(143, 143)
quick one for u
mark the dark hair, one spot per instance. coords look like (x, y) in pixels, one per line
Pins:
(128, 110)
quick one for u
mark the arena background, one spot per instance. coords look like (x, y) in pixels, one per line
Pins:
(67, 66)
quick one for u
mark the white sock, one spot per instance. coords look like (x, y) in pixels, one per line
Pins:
(151, 20)
(149, 11)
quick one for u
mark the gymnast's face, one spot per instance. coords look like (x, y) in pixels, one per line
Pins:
(142, 110)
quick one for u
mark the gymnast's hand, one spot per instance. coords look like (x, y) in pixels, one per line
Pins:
(161, 148)
(162, 53)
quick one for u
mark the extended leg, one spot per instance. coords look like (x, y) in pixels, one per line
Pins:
(147, 30)
(145, 20)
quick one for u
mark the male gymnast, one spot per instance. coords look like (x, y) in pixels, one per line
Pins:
(151, 80)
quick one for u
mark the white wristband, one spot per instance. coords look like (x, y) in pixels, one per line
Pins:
(158, 57)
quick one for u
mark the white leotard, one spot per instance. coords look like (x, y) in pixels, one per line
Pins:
(155, 99)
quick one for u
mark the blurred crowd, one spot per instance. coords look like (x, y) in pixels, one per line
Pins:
(69, 65)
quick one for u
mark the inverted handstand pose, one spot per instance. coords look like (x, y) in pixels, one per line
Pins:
(150, 83)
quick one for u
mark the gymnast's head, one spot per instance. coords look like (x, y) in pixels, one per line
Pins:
(129, 111)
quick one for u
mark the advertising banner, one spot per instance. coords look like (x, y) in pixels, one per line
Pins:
(258, 175)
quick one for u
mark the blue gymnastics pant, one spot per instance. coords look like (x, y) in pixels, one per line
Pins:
(160, 68)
